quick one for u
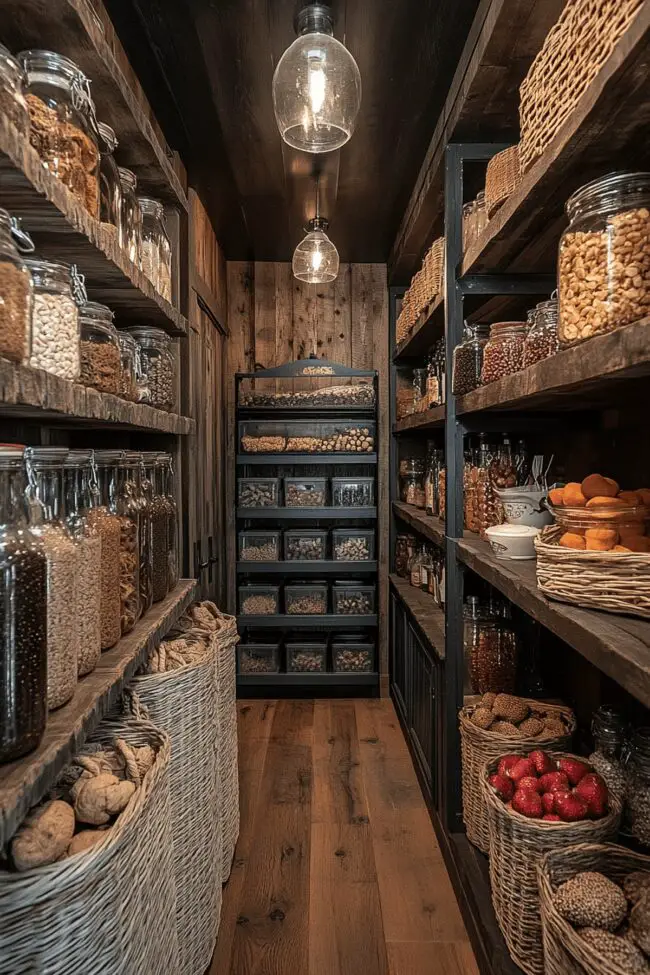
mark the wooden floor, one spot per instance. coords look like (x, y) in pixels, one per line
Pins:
(337, 870)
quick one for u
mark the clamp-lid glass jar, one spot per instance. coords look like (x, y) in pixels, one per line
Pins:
(159, 526)
(116, 472)
(63, 127)
(637, 774)
(130, 217)
(168, 492)
(542, 340)
(468, 359)
(16, 297)
(106, 523)
(503, 353)
(55, 320)
(604, 257)
(78, 502)
(156, 384)
(100, 348)
(110, 187)
(129, 359)
(156, 249)
(144, 497)
(12, 99)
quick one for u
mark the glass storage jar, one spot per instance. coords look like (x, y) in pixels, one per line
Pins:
(156, 385)
(47, 507)
(16, 297)
(78, 502)
(106, 523)
(637, 781)
(259, 600)
(352, 598)
(307, 657)
(604, 257)
(63, 127)
(258, 492)
(608, 730)
(129, 355)
(12, 97)
(110, 187)
(305, 545)
(503, 353)
(306, 599)
(156, 250)
(159, 526)
(353, 657)
(353, 492)
(116, 471)
(402, 554)
(130, 227)
(23, 617)
(258, 658)
(100, 348)
(412, 489)
(144, 493)
(259, 546)
(169, 493)
(353, 544)
(490, 649)
(542, 339)
(55, 320)
(305, 492)
(468, 359)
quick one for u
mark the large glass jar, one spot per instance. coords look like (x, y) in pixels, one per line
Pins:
(637, 781)
(55, 320)
(156, 249)
(542, 340)
(45, 471)
(63, 128)
(78, 502)
(16, 297)
(130, 217)
(402, 554)
(503, 353)
(168, 489)
(608, 730)
(490, 647)
(159, 526)
(118, 485)
(430, 479)
(100, 348)
(488, 509)
(604, 257)
(129, 359)
(12, 99)
(23, 617)
(468, 360)
(110, 187)
(157, 371)
(103, 520)
(144, 489)
(412, 489)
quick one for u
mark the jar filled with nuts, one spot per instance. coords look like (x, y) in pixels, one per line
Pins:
(306, 599)
(604, 257)
(63, 126)
(353, 598)
(353, 544)
(258, 492)
(104, 521)
(637, 776)
(490, 651)
(55, 321)
(130, 236)
(16, 297)
(100, 348)
(503, 353)
(78, 502)
(468, 359)
(116, 472)
(306, 658)
(353, 657)
(542, 339)
(157, 379)
(110, 187)
(156, 250)
(12, 98)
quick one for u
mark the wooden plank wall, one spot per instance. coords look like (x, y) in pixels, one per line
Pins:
(273, 318)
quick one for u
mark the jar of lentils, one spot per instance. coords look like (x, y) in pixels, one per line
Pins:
(468, 359)
(12, 98)
(503, 353)
(100, 348)
(16, 297)
(55, 321)
(157, 379)
(542, 339)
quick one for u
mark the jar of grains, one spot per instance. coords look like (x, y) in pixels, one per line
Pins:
(637, 776)
(157, 371)
(12, 99)
(47, 505)
(503, 353)
(110, 187)
(468, 360)
(144, 495)
(130, 217)
(412, 489)
(168, 489)
(16, 297)
(490, 651)
(55, 320)
(118, 471)
(156, 249)
(608, 730)
(129, 358)
(542, 340)
(604, 257)
(23, 617)
(100, 348)
(103, 519)
(78, 502)
(159, 526)
(63, 127)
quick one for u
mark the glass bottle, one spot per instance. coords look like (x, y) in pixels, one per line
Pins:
(637, 786)
(100, 348)
(119, 496)
(159, 527)
(156, 248)
(402, 555)
(486, 503)
(12, 98)
(608, 730)
(23, 617)
(78, 502)
(168, 489)
(415, 564)
(420, 389)
(433, 383)
(130, 217)
(426, 569)
(502, 469)
(157, 378)
(16, 294)
(47, 507)
(110, 186)
(55, 320)
(468, 360)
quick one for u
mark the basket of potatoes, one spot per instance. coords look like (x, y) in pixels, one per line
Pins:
(494, 725)
(597, 554)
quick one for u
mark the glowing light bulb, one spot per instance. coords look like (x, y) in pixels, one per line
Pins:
(316, 259)
(317, 83)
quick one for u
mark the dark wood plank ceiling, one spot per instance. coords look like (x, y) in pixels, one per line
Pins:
(207, 67)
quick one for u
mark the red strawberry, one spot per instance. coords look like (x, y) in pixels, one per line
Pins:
(593, 790)
(506, 763)
(527, 803)
(570, 808)
(503, 786)
(554, 782)
(529, 783)
(552, 818)
(573, 769)
(542, 762)
(523, 768)
(548, 802)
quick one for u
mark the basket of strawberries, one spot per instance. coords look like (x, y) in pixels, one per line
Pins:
(537, 803)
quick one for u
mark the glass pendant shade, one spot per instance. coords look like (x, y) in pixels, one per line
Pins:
(316, 86)
(316, 259)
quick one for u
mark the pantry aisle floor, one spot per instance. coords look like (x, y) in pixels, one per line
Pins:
(337, 870)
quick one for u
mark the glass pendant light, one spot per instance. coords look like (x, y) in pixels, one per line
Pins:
(316, 259)
(316, 86)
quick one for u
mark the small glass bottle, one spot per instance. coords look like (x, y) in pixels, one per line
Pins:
(415, 565)
(110, 186)
(55, 320)
(433, 383)
(426, 568)
(100, 348)
(608, 730)
(130, 217)
(637, 786)
(78, 502)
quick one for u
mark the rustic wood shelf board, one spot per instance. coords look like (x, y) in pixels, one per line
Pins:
(296, 567)
(307, 679)
(425, 331)
(617, 645)
(427, 420)
(431, 528)
(425, 611)
(307, 514)
(276, 460)
(63, 230)
(24, 782)
(331, 621)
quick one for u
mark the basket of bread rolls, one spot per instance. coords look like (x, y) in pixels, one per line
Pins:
(597, 552)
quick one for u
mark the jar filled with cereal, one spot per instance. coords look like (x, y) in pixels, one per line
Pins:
(55, 320)
(100, 348)
(12, 99)
(604, 257)
(16, 297)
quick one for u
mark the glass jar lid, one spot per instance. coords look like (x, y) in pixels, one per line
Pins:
(146, 334)
(501, 329)
(151, 207)
(128, 179)
(108, 458)
(612, 192)
(11, 69)
(92, 312)
(40, 457)
(48, 274)
(11, 455)
(127, 342)
(78, 458)
(108, 135)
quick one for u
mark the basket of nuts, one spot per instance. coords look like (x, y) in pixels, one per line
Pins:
(499, 723)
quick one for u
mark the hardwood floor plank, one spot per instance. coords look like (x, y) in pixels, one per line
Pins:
(419, 957)
(338, 783)
(293, 723)
(254, 720)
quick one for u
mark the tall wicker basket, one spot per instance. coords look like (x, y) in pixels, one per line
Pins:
(517, 845)
(565, 952)
(225, 640)
(502, 177)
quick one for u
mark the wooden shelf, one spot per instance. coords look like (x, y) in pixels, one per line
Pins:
(427, 420)
(619, 646)
(63, 230)
(284, 459)
(26, 781)
(431, 528)
(302, 567)
(429, 617)
(307, 514)
(587, 374)
(331, 621)
(305, 680)
(425, 331)
(34, 394)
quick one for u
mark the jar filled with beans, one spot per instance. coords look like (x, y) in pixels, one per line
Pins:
(116, 470)
(106, 523)
(157, 376)
(100, 348)
(468, 360)
(503, 353)
(55, 320)
(542, 340)
(78, 502)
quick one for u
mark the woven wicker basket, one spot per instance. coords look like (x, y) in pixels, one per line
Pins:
(571, 57)
(112, 908)
(565, 952)
(225, 641)
(517, 845)
(502, 178)
(184, 703)
(617, 582)
(479, 746)
(434, 263)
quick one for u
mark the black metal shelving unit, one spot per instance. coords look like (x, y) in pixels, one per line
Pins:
(329, 464)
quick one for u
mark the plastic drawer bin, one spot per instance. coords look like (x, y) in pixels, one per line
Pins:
(258, 492)
(306, 658)
(353, 658)
(259, 600)
(351, 599)
(353, 544)
(306, 545)
(305, 600)
(258, 658)
(307, 437)
(353, 492)
(305, 492)
(259, 546)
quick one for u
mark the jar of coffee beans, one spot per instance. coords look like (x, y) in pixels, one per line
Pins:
(503, 353)
(468, 360)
